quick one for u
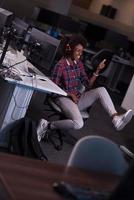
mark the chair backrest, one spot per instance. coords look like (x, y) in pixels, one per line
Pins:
(124, 189)
(98, 154)
(100, 56)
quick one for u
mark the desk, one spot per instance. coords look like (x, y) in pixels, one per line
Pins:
(22, 90)
(128, 101)
(33, 179)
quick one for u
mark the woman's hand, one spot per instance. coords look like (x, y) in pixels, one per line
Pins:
(74, 98)
(101, 65)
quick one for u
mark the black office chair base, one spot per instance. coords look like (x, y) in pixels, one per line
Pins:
(69, 138)
(58, 137)
(55, 138)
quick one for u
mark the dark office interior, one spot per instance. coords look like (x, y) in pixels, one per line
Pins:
(37, 29)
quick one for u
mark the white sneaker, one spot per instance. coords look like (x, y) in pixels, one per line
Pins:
(120, 121)
(84, 114)
(41, 129)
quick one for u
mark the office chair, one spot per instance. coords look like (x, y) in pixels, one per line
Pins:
(98, 154)
(124, 189)
(99, 57)
(53, 110)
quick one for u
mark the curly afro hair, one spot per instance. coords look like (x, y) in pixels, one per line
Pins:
(71, 42)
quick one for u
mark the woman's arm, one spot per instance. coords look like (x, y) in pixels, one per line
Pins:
(57, 73)
(96, 73)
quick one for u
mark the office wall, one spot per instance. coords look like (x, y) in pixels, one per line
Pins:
(60, 6)
(125, 12)
(96, 5)
(20, 8)
(123, 22)
(24, 8)
(125, 9)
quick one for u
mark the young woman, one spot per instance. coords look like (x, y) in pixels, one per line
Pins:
(70, 75)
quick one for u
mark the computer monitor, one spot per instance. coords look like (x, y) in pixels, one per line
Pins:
(68, 24)
(94, 32)
(43, 48)
(20, 31)
(116, 40)
(48, 17)
(20, 25)
(94, 35)
(6, 18)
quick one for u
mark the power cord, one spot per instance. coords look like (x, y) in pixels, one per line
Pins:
(127, 151)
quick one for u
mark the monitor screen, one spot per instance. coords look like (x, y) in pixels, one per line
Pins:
(68, 24)
(117, 40)
(20, 26)
(6, 18)
(48, 17)
(95, 33)
(20, 31)
(43, 48)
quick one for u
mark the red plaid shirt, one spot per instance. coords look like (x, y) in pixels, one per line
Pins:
(70, 77)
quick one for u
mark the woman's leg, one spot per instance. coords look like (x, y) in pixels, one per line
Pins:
(70, 109)
(88, 98)
(74, 119)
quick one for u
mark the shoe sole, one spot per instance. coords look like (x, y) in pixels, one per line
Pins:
(41, 133)
(128, 116)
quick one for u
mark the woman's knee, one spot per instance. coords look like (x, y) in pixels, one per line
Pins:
(78, 124)
(102, 90)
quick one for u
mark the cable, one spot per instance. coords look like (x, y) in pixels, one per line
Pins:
(8, 72)
(2, 50)
(18, 63)
(127, 151)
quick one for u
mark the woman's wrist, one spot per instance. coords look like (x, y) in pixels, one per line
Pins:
(95, 74)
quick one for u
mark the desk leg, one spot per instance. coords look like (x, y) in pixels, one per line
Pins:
(128, 101)
(18, 104)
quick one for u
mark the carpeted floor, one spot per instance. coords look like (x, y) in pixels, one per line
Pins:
(99, 123)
